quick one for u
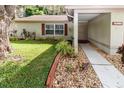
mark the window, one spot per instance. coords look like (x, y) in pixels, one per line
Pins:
(59, 29)
(50, 29)
(54, 29)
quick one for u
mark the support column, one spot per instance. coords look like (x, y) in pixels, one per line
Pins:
(76, 31)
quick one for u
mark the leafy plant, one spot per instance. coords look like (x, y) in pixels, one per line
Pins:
(25, 33)
(69, 67)
(28, 35)
(47, 39)
(34, 10)
(80, 66)
(121, 51)
(13, 38)
(65, 48)
(34, 35)
(61, 39)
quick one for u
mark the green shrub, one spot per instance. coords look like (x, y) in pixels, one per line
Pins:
(61, 39)
(121, 51)
(69, 68)
(65, 48)
(48, 39)
(13, 38)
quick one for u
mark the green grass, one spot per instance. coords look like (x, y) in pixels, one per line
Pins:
(33, 70)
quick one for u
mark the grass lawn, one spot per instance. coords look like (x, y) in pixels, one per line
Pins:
(33, 70)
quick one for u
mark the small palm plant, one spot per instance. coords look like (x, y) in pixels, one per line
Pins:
(121, 51)
(65, 48)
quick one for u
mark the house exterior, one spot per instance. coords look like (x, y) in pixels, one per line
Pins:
(102, 25)
(44, 26)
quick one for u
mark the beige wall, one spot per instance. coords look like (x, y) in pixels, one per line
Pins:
(31, 27)
(99, 31)
(116, 31)
(36, 27)
(106, 36)
(82, 31)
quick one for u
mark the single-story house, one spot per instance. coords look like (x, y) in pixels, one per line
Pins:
(44, 26)
(101, 25)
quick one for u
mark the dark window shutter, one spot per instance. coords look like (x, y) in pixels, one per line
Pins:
(66, 29)
(43, 29)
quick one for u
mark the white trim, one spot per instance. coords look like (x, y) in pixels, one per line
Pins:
(45, 29)
(94, 6)
(76, 13)
(55, 29)
(82, 21)
(76, 32)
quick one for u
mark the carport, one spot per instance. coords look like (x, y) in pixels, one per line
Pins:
(104, 26)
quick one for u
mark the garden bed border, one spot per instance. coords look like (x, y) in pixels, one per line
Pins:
(51, 74)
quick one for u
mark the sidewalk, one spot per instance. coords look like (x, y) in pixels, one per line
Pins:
(109, 76)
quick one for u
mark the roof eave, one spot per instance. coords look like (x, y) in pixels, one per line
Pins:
(94, 6)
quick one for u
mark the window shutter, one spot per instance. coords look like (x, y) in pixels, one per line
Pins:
(43, 29)
(66, 29)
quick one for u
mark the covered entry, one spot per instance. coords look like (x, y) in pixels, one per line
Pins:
(83, 27)
(104, 26)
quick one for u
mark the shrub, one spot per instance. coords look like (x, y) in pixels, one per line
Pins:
(121, 51)
(69, 68)
(24, 33)
(61, 39)
(33, 35)
(65, 48)
(48, 39)
(13, 38)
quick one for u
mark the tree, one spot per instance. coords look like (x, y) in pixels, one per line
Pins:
(55, 9)
(34, 10)
(20, 11)
(7, 13)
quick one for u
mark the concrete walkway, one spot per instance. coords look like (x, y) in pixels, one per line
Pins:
(109, 76)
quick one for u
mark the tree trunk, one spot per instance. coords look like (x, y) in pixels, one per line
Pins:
(7, 13)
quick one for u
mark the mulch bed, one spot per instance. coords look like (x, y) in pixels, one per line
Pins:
(113, 59)
(75, 73)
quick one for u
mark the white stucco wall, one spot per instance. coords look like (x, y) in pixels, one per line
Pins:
(37, 27)
(99, 31)
(117, 31)
(106, 36)
(31, 27)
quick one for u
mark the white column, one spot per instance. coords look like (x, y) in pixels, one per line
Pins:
(76, 31)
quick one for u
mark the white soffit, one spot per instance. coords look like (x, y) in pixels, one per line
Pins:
(87, 17)
(93, 6)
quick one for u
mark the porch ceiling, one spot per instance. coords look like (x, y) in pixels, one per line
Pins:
(87, 16)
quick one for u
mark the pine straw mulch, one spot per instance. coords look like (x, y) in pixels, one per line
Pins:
(75, 73)
(113, 59)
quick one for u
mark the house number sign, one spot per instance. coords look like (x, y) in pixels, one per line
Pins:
(117, 23)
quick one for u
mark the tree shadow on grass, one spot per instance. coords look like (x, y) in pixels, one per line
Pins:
(34, 74)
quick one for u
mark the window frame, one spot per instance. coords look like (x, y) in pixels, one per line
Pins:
(45, 29)
(55, 29)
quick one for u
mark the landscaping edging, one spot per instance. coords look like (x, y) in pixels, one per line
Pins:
(51, 74)
(75, 73)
